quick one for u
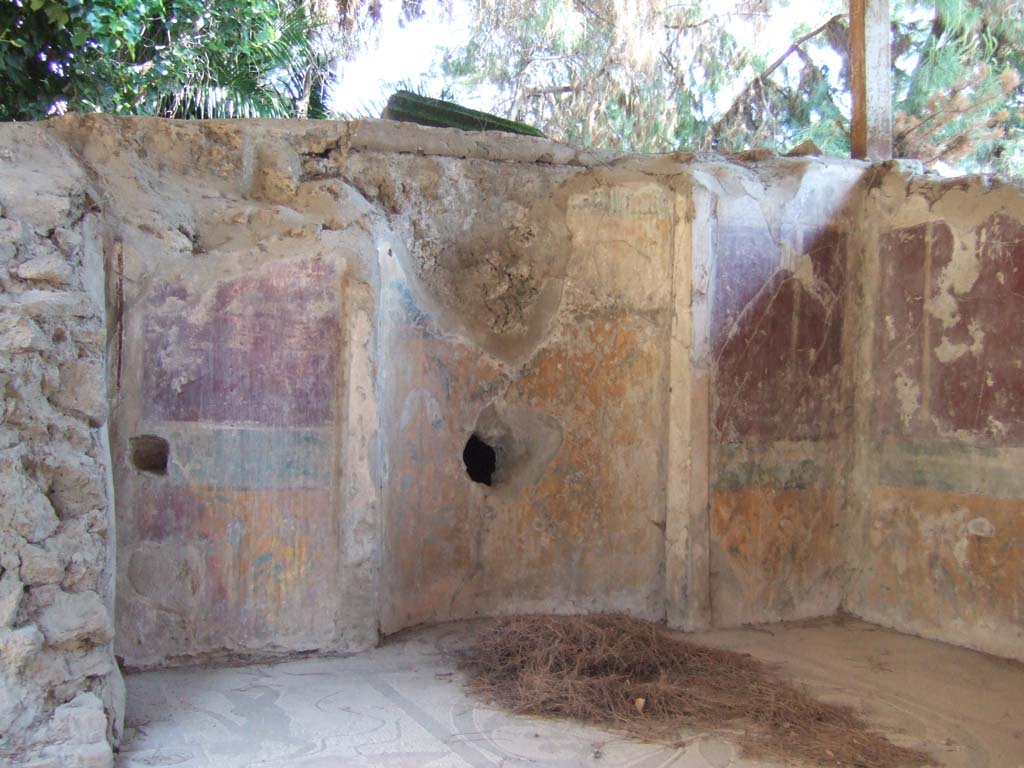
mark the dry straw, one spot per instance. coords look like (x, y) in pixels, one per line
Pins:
(636, 677)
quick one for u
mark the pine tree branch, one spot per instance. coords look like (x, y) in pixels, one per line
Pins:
(796, 45)
(762, 78)
(684, 27)
(529, 92)
(948, 114)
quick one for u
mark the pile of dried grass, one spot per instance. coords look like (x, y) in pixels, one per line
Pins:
(635, 676)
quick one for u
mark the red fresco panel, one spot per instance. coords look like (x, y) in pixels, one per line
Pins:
(982, 391)
(777, 370)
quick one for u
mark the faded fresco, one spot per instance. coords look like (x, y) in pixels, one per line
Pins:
(944, 519)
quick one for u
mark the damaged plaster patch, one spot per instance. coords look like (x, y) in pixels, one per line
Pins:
(484, 254)
(503, 283)
(909, 394)
(956, 279)
(981, 527)
(995, 427)
(948, 351)
(977, 527)
(942, 306)
(803, 271)
(524, 441)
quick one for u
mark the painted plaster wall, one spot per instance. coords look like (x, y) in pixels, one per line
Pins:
(316, 319)
(243, 306)
(584, 374)
(721, 391)
(282, 292)
(937, 538)
(778, 263)
(575, 410)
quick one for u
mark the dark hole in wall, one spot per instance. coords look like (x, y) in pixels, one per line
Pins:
(480, 460)
(150, 453)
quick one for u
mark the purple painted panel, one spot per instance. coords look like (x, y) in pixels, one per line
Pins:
(169, 511)
(965, 374)
(260, 349)
(819, 322)
(754, 365)
(745, 259)
(827, 248)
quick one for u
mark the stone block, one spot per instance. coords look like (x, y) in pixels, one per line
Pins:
(45, 269)
(17, 646)
(24, 507)
(80, 721)
(69, 240)
(11, 231)
(18, 708)
(75, 618)
(77, 485)
(83, 389)
(98, 755)
(40, 566)
(11, 591)
(21, 334)
(42, 304)
(97, 662)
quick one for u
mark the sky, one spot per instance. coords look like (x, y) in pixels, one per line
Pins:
(405, 51)
(412, 52)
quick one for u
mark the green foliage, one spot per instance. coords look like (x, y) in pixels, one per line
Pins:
(957, 83)
(567, 68)
(176, 58)
(651, 80)
(575, 69)
(643, 75)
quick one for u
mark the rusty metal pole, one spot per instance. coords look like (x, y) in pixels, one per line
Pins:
(871, 79)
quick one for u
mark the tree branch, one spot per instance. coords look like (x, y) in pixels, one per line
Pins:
(553, 89)
(796, 45)
(762, 78)
(695, 25)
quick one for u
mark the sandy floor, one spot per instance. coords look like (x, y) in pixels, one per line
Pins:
(402, 705)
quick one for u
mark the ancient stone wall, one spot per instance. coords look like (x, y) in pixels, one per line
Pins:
(936, 544)
(370, 375)
(61, 695)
